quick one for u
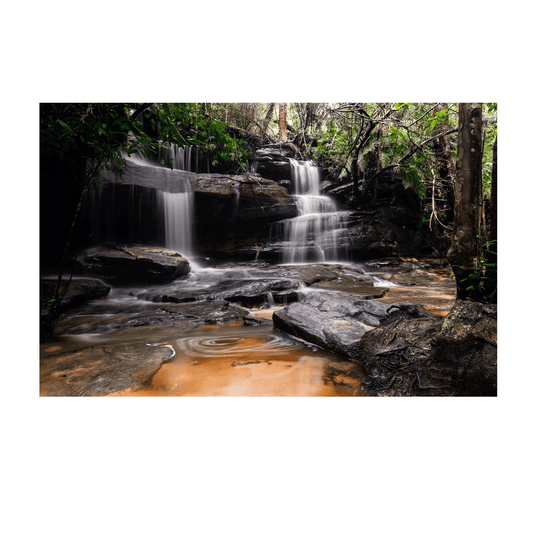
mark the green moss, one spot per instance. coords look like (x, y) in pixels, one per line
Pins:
(447, 324)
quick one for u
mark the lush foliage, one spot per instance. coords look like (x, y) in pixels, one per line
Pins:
(100, 133)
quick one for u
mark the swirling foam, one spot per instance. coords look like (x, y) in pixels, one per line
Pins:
(228, 346)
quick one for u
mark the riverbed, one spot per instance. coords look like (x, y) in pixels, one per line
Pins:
(223, 358)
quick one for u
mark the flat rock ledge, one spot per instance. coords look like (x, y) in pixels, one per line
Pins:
(102, 369)
(174, 316)
(247, 291)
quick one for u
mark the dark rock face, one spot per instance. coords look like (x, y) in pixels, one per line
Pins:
(78, 293)
(273, 162)
(240, 210)
(124, 265)
(391, 224)
(102, 369)
(251, 198)
(232, 212)
(410, 355)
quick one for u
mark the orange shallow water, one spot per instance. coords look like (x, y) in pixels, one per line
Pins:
(264, 364)
(237, 360)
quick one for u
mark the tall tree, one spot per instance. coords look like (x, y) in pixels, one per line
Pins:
(283, 122)
(463, 254)
(493, 229)
(264, 123)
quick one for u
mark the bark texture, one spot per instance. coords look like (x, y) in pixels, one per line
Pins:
(493, 229)
(463, 253)
(283, 122)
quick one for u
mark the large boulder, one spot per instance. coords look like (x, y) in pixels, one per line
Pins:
(467, 345)
(404, 349)
(409, 355)
(332, 320)
(133, 264)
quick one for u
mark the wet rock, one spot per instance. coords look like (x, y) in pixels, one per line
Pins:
(131, 264)
(248, 291)
(79, 292)
(179, 316)
(212, 312)
(332, 320)
(467, 345)
(251, 321)
(414, 355)
(341, 278)
(204, 262)
(240, 207)
(250, 198)
(255, 289)
(273, 162)
(102, 369)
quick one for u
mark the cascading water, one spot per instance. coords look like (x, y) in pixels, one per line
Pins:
(178, 213)
(188, 158)
(126, 213)
(312, 236)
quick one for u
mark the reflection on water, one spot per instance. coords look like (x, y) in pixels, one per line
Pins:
(428, 282)
(233, 359)
(240, 361)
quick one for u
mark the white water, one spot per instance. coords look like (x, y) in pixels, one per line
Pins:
(314, 234)
(178, 212)
(305, 178)
(186, 158)
(177, 208)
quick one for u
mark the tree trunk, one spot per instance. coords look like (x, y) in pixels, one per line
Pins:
(493, 235)
(264, 126)
(378, 166)
(446, 168)
(52, 312)
(464, 252)
(283, 122)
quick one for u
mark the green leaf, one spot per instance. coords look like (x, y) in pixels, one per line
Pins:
(65, 125)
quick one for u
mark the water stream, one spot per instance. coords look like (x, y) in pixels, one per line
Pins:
(234, 359)
(313, 235)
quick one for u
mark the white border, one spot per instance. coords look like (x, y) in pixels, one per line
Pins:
(30, 403)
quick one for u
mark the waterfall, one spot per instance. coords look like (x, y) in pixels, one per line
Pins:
(177, 209)
(126, 213)
(236, 199)
(305, 178)
(314, 235)
(188, 158)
